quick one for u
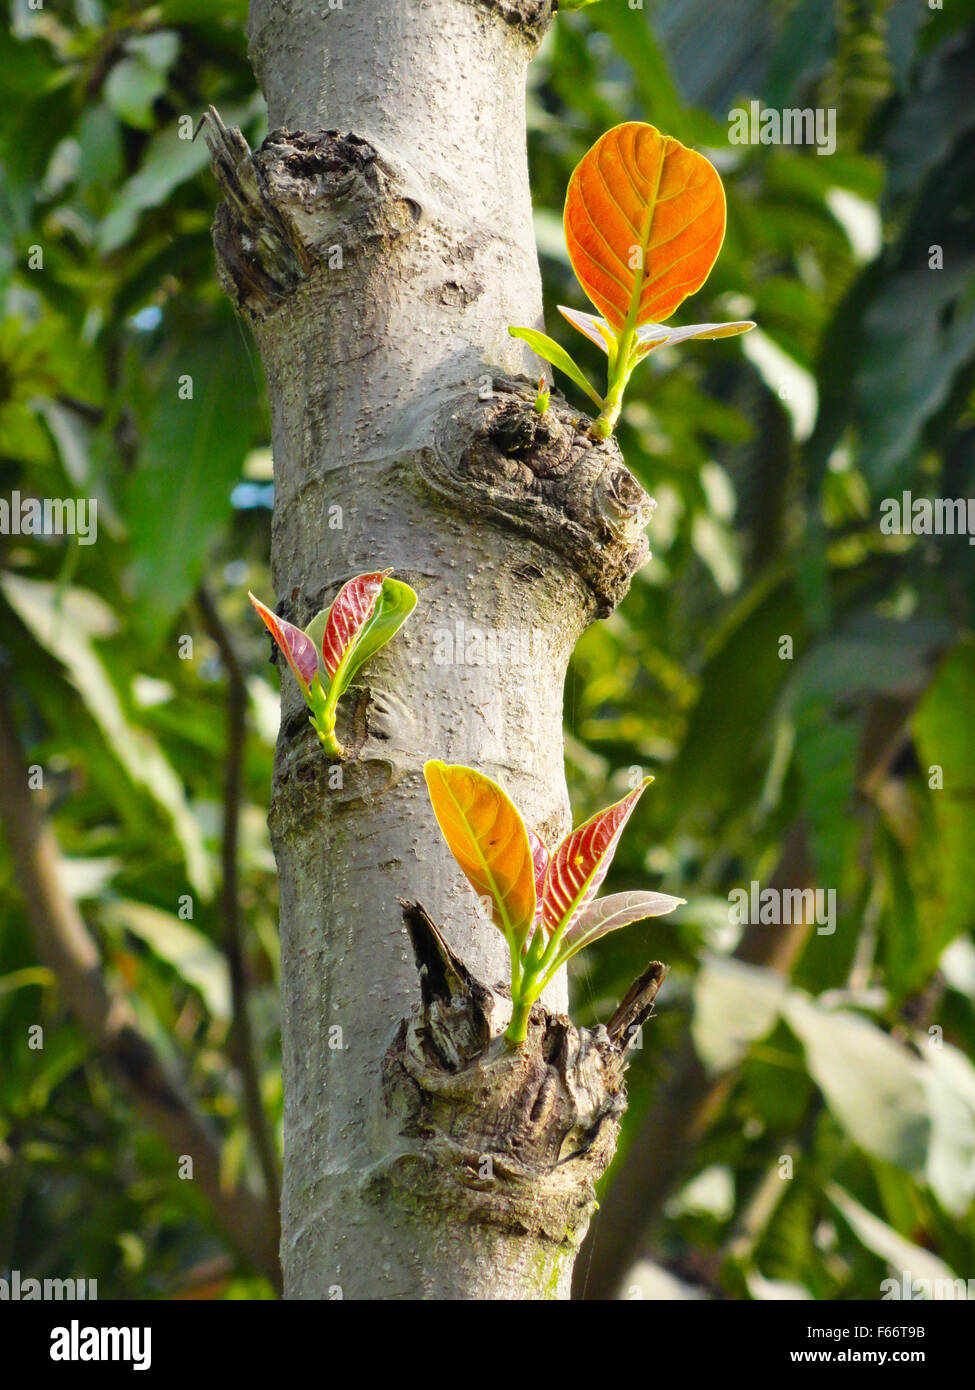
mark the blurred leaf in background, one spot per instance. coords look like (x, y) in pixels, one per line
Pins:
(125, 377)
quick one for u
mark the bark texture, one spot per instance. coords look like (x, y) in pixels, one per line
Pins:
(500, 1149)
(379, 244)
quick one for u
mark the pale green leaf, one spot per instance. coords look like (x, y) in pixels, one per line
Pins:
(556, 354)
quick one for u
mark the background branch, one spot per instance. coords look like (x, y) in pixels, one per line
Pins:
(63, 940)
(242, 1035)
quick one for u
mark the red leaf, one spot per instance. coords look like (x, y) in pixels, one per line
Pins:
(352, 609)
(299, 650)
(582, 861)
(540, 863)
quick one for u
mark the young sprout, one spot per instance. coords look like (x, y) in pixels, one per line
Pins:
(644, 222)
(325, 656)
(544, 904)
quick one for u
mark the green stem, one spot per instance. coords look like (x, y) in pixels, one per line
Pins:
(544, 968)
(547, 976)
(518, 1027)
(606, 420)
(323, 722)
(331, 745)
(618, 377)
(323, 706)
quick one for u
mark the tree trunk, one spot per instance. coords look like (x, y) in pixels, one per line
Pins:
(379, 244)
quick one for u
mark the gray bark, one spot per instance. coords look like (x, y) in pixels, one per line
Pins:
(379, 269)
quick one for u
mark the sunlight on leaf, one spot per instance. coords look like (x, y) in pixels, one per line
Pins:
(644, 222)
(487, 837)
(582, 860)
(556, 354)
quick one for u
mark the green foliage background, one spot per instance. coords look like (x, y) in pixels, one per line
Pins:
(769, 457)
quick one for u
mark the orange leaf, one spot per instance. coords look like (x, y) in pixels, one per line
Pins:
(644, 222)
(487, 837)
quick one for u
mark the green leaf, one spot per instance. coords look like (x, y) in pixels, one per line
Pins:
(168, 162)
(873, 1086)
(191, 954)
(394, 605)
(900, 1253)
(942, 729)
(734, 1005)
(158, 50)
(132, 89)
(66, 623)
(178, 499)
(635, 39)
(315, 631)
(949, 1078)
(139, 79)
(556, 354)
(724, 749)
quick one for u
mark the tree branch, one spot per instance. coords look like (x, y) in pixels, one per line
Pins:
(242, 1034)
(64, 941)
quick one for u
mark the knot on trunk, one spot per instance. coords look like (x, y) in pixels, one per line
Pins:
(532, 17)
(303, 199)
(547, 476)
(508, 1138)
